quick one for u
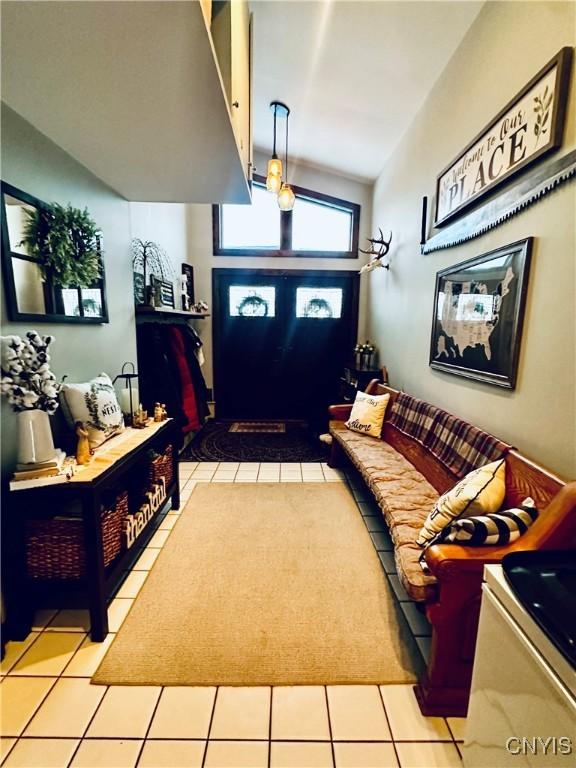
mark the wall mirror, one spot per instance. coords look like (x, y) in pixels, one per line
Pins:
(29, 295)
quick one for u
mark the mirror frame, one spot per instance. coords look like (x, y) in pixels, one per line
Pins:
(8, 272)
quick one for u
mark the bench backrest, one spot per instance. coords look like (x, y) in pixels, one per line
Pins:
(523, 477)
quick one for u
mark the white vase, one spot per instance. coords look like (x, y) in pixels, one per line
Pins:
(35, 442)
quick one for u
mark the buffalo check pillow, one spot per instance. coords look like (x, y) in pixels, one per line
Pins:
(490, 530)
(482, 491)
(367, 414)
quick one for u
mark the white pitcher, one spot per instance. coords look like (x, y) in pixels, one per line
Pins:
(35, 442)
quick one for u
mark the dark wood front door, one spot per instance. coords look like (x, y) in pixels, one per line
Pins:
(281, 340)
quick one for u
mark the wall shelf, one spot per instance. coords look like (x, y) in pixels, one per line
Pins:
(145, 311)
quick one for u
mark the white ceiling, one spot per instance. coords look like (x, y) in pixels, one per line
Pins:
(354, 74)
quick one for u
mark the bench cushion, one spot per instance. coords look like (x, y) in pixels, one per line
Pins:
(403, 494)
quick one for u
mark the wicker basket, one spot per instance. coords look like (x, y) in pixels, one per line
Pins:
(55, 547)
(162, 467)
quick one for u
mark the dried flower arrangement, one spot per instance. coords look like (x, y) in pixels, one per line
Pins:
(27, 380)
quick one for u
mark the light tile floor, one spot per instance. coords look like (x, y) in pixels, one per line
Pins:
(51, 716)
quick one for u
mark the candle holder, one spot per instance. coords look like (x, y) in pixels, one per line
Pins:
(128, 396)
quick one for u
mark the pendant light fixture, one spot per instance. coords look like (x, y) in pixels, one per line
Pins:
(274, 183)
(274, 176)
(286, 196)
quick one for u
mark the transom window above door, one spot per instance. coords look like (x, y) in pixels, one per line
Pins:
(318, 226)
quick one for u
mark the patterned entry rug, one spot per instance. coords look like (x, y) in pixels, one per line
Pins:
(264, 584)
(217, 442)
(258, 426)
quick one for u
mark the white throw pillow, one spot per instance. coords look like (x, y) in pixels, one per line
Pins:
(481, 492)
(95, 404)
(367, 414)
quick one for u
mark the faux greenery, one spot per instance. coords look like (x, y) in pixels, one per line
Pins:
(65, 242)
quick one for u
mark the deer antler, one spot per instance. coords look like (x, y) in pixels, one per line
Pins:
(383, 248)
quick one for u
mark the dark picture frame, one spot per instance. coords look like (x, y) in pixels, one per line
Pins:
(72, 305)
(478, 315)
(188, 270)
(163, 292)
(502, 149)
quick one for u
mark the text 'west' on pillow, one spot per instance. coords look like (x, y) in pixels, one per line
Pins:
(95, 404)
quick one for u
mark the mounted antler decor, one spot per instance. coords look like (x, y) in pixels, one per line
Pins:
(377, 254)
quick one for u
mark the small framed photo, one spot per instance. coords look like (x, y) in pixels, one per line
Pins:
(163, 292)
(139, 289)
(188, 273)
(478, 315)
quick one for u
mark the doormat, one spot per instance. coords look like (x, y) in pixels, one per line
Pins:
(215, 442)
(258, 426)
(309, 606)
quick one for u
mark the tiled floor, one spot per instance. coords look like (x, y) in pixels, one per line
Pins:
(51, 715)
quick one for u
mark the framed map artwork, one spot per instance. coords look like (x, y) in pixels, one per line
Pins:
(478, 313)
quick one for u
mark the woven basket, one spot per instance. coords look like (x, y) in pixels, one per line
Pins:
(162, 467)
(55, 548)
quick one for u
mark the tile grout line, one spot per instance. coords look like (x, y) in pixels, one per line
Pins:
(35, 712)
(154, 710)
(210, 726)
(89, 723)
(11, 667)
(193, 739)
(270, 726)
(329, 724)
(389, 726)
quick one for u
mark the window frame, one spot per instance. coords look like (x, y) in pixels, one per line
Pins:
(285, 249)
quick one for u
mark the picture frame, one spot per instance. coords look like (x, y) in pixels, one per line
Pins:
(530, 126)
(139, 289)
(162, 292)
(188, 271)
(478, 315)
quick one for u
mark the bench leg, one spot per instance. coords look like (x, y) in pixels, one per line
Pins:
(337, 455)
(444, 689)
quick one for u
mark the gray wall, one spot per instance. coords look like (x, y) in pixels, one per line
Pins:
(36, 165)
(507, 44)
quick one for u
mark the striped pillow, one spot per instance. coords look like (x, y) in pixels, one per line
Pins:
(499, 528)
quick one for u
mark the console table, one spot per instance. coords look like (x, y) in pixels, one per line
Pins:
(114, 464)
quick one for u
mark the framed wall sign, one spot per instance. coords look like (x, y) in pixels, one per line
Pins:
(478, 313)
(528, 127)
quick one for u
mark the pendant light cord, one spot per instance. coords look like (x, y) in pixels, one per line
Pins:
(274, 147)
(286, 149)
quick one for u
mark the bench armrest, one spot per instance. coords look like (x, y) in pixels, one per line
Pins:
(446, 560)
(339, 412)
(555, 528)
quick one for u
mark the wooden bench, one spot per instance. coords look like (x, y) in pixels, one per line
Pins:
(451, 590)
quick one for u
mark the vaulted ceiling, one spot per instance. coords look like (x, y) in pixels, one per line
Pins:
(353, 73)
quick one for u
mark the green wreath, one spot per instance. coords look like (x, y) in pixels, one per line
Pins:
(65, 241)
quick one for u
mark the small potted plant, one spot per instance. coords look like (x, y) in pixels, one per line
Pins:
(32, 391)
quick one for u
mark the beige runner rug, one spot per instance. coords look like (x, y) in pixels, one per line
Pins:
(264, 584)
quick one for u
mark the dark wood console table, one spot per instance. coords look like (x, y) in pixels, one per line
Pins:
(112, 464)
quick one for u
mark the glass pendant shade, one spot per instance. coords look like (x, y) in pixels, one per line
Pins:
(275, 167)
(286, 198)
(273, 183)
